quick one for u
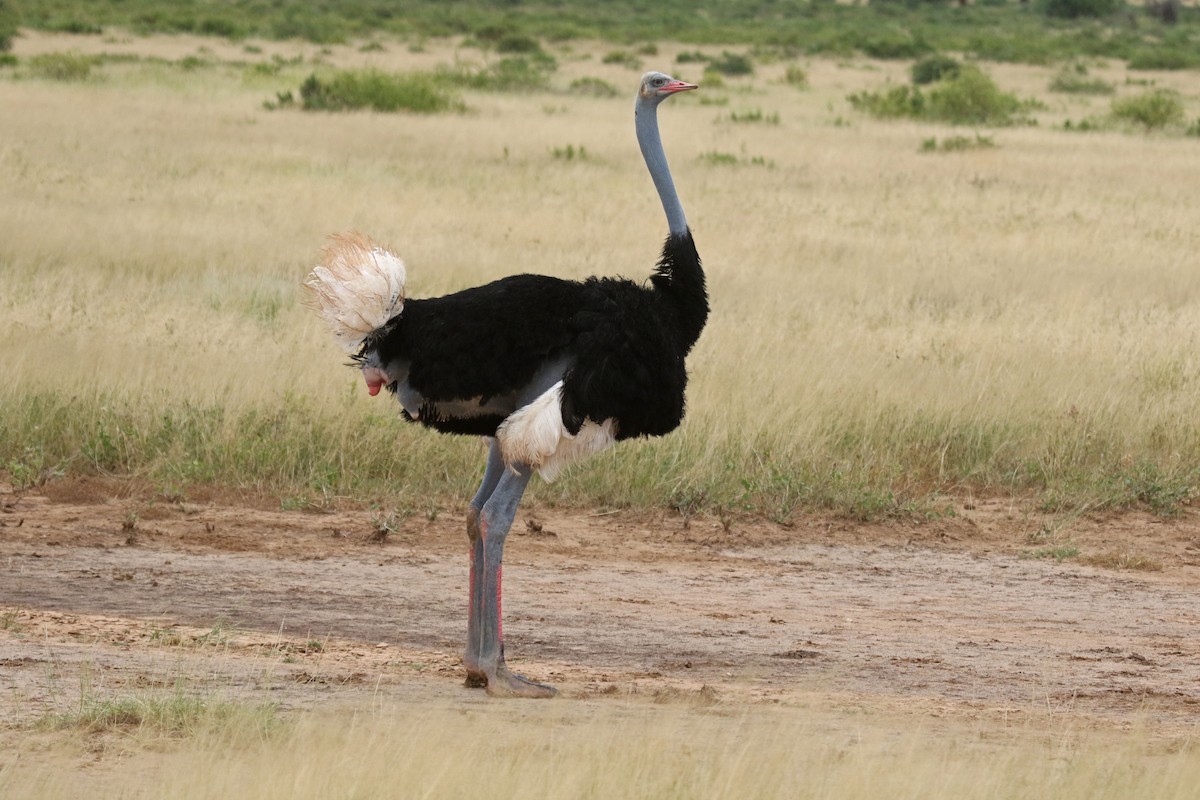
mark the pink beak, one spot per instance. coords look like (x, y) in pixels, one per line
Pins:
(679, 86)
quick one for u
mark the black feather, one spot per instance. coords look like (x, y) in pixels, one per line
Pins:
(625, 345)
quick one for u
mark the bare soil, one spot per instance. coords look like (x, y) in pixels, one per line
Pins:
(108, 588)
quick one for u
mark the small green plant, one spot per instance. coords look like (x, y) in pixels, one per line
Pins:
(1193, 129)
(1153, 110)
(716, 159)
(893, 103)
(622, 57)
(933, 68)
(593, 87)
(1074, 79)
(571, 153)
(8, 60)
(518, 43)
(731, 65)
(796, 76)
(957, 144)
(1057, 552)
(755, 115)
(8, 620)
(692, 57)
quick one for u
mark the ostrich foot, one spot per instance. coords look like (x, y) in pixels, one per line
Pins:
(505, 683)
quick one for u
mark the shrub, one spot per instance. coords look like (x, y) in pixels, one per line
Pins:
(1073, 79)
(972, 98)
(622, 57)
(66, 67)
(691, 57)
(934, 68)
(8, 60)
(518, 43)
(896, 102)
(969, 97)
(795, 76)
(731, 64)
(1154, 109)
(379, 91)
(593, 87)
(1074, 9)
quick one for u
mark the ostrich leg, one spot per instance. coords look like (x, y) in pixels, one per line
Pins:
(491, 476)
(494, 521)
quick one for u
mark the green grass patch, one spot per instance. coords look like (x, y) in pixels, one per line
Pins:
(67, 67)
(176, 714)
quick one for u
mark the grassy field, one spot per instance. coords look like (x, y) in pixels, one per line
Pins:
(892, 324)
(662, 749)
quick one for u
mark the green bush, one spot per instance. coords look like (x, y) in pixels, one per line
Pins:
(1154, 109)
(691, 57)
(972, 98)
(969, 97)
(380, 91)
(934, 67)
(8, 60)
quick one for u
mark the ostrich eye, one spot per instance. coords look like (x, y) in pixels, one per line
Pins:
(659, 81)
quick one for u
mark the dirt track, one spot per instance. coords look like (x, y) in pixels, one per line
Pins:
(950, 617)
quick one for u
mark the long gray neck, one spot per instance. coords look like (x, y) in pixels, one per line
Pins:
(646, 121)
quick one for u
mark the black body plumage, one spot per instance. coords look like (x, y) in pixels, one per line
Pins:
(621, 346)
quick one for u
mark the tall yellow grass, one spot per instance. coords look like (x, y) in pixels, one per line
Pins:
(621, 750)
(887, 324)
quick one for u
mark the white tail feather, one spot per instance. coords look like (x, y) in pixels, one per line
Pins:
(357, 288)
(535, 435)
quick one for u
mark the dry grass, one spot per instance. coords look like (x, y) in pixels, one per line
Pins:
(888, 325)
(619, 748)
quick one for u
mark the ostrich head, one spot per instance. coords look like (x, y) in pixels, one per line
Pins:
(657, 87)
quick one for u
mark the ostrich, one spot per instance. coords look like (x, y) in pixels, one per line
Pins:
(552, 370)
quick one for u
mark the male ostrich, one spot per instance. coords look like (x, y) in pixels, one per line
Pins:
(552, 369)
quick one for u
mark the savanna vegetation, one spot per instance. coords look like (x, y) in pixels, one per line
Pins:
(889, 330)
(989, 291)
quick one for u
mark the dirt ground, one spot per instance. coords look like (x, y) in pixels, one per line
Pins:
(109, 589)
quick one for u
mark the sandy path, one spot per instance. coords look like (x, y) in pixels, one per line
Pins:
(945, 617)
